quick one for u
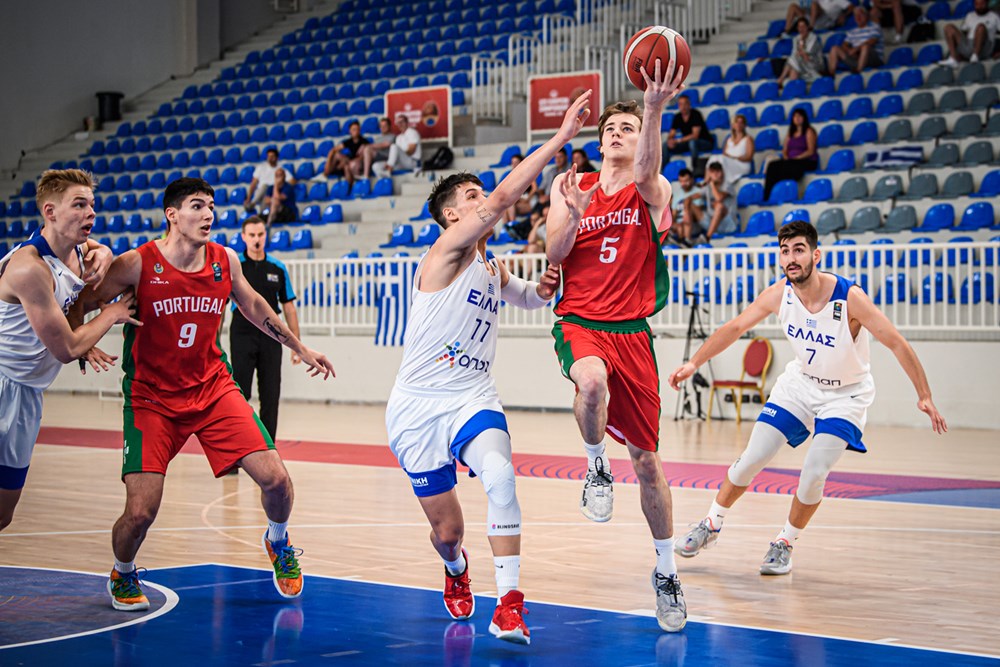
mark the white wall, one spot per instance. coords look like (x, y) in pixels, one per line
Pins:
(962, 377)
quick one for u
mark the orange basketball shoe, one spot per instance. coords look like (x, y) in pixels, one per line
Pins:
(125, 592)
(458, 598)
(284, 560)
(508, 619)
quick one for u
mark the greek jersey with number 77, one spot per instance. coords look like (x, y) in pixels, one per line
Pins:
(173, 363)
(825, 352)
(451, 334)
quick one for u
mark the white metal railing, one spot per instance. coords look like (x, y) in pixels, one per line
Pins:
(489, 93)
(558, 52)
(941, 290)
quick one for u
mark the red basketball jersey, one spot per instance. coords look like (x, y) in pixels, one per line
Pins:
(616, 270)
(173, 362)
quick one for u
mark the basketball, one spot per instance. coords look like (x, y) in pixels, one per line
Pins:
(650, 44)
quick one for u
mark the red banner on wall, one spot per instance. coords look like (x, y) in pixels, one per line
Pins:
(428, 110)
(549, 96)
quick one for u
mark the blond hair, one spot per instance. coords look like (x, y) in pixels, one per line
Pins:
(628, 107)
(54, 182)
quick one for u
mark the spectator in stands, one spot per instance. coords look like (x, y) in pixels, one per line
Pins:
(895, 13)
(806, 61)
(263, 180)
(798, 153)
(283, 208)
(980, 26)
(687, 204)
(338, 161)
(862, 47)
(687, 133)
(536, 237)
(561, 166)
(521, 210)
(823, 14)
(721, 202)
(404, 153)
(737, 152)
(582, 162)
(376, 151)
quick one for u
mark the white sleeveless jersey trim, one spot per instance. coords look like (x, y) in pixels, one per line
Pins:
(451, 334)
(825, 352)
(23, 357)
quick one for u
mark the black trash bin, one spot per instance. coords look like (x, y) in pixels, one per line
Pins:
(109, 106)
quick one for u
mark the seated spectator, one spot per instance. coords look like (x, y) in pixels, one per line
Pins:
(806, 61)
(263, 180)
(561, 166)
(376, 151)
(980, 26)
(404, 153)
(688, 132)
(737, 152)
(823, 14)
(862, 47)
(338, 161)
(282, 201)
(721, 202)
(798, 153)
(687, 204)
(895, 13)
(582, 162)
(517, 216)
(536, 237)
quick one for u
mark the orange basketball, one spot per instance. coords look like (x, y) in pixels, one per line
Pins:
(650, 44)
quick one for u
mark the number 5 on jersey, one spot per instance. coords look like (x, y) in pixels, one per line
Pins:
(608, 252)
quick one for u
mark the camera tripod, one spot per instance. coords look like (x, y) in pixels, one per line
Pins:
(695, 330)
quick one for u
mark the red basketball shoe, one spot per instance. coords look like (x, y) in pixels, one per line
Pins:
(508, 619)
(458, 598)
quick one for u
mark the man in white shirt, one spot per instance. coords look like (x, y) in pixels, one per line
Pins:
(823, 14)
(263, 180)
(981, 27)
(404, 153)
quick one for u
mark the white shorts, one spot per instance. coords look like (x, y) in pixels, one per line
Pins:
(427, 432)
(797, 406)
(20, 419)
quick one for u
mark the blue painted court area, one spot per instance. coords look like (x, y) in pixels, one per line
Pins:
(233, 616)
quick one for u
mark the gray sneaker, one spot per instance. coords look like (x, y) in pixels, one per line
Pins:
(778, 559)
(671, 610)
(598, 494)
(700, 537)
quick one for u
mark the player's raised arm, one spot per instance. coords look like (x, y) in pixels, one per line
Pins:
(660, 89)
(767, 303)
(861, 308)
(261, 315)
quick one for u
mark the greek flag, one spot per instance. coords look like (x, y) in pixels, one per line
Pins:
(901, 156)
(393, 302)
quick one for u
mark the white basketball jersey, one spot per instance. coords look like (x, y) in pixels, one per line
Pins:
(451, 335)
(825, 352)
(23, 357)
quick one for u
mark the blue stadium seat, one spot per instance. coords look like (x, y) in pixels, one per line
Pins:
(852, 84)
(120, 245)
(929, 54)
(990, 187)
(760, 223)
(718, 119)
(842, 160)
(936, 288)
(900, 57)
(938, 217)
(429, 233)
(831, 135)
(333, 214)
(783, 192)
(716, 95)
(401, 236)
(880, 256)
(817, 191)
(890, 105)
(424, 214)
(302, 240)
(767, 91)
(798, 214)
(751, 194)
(879, 82)
(279, 241)
(894, 289)
(310, 214)
(864, 133)
(735, 72)
(505, 157)
(711, 74)
(773, 115)
(741, 290)
(740, 94)
(860, 107)
(768, 140)
(757, 50)
(978, 287)
(909, 79)
(761, 71)
(793, 90)
(382, 188)
(979, 215)
(822, 87)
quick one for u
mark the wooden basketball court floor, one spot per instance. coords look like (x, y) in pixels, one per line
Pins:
(907, 555)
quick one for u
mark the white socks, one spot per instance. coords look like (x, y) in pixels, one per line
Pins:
(276, 531)
(457, 566)
(716, 515)
(789, 533)
(124, 568)
(595, 452)
(508, 571)
(665, 563)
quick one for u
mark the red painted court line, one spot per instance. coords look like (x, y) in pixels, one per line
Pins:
(546, 466)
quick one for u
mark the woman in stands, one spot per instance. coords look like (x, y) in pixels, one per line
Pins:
(806, 61)
(737, 152)
(799, 153)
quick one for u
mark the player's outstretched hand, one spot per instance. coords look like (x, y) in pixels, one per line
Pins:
(548, 284)
(937, 421)
(97, 261)
(316, 363)
(98, 359)
(682, 373)
(576, 115)
(577, 200)
(124, 308)
(660, 89)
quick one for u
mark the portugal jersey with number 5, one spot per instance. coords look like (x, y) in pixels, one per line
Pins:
(173, 363)
(616, 269)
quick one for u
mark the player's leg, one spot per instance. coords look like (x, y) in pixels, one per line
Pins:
(143, 493)
(269, 382)
(20, 420)
(444, 513)
(8, 502)
(590, 408)
(489, 456)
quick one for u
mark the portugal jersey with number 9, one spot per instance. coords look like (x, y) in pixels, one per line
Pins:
(616, 270)
(174, 360)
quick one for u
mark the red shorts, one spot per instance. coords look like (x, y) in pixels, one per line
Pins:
(228, 430)
(633, 379)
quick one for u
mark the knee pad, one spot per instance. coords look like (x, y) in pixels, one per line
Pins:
(765, 441)
(823, 453)
(503, 513)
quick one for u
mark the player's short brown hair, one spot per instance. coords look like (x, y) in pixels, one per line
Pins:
(54, 182)
(628, 106)
(443, 193)
(798, 228)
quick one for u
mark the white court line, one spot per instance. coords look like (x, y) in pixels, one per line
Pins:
(171, 601)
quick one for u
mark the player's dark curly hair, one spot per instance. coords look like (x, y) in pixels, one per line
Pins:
(179, 190)
(443, 193)
(799, 228)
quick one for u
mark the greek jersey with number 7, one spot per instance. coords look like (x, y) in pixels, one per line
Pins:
(451, 334)
(173, 362)
(825, 351)
(615, 271)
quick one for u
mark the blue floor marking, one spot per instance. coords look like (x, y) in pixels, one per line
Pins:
(985, 498)
(344, 622)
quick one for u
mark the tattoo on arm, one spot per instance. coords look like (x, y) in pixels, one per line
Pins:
(484, 214)
(275, 331)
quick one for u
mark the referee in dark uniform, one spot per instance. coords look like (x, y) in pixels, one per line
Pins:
(253, 350)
